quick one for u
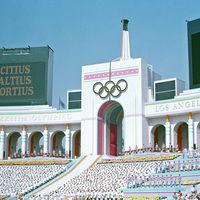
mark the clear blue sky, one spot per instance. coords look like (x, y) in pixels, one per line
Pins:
(83, 32)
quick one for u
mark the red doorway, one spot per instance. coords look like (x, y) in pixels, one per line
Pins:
(109, 136)
(179, 138)
(113, 139)
(54, 143)
(156, 137)
(13, 144)
(77, 144)
(182, 136)
(35, 142)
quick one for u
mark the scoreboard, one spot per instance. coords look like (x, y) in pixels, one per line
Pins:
(194, 53)
(26, 76)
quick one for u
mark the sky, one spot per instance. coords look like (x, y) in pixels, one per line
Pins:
(89, 32)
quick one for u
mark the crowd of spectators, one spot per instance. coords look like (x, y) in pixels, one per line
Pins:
(147, 149)
(192, 195)
(103, 180)
(154, 181)
(55, 154)
(178, 166)
(142, 158)
(20, 179)
(186, 153)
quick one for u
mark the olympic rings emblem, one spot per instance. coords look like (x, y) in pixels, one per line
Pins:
(110, 88)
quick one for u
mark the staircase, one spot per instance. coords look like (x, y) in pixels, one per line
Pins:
(81, 165)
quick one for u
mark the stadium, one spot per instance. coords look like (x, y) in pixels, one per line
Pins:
(126, 134)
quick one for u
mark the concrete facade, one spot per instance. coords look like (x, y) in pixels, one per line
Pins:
(118, 113)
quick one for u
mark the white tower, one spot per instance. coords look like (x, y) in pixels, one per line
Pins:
(125, 53)
(113, 96)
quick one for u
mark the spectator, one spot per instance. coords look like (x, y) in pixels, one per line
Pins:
(184, 153)
(175, 197)
(179, 194)
(193, 191)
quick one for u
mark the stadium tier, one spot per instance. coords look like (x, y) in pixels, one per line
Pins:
(98, 177)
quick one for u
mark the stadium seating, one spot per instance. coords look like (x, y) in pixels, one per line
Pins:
(104, 180)
(142, 176)
(16, 179)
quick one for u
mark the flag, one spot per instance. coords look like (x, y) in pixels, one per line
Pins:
(61, 104)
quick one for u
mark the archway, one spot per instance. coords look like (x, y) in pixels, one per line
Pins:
(158, 133)
(14, 144)
(110, 134)
(57, 142)
(181, 135)
(76, 144)
(36, 143)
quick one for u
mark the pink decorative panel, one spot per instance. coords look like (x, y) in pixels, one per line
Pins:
(113, 74)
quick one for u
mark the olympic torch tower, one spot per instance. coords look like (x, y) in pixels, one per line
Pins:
(113, 96)
(125, 52)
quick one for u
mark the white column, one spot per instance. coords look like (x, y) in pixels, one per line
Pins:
(46, 140)
(195, 133)
(150, 136)
(172, 136)
(190, 131)
(129, 134)
(67, 139)
(105, 142)
(2, 143)
(167, 132)
(24, 140)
